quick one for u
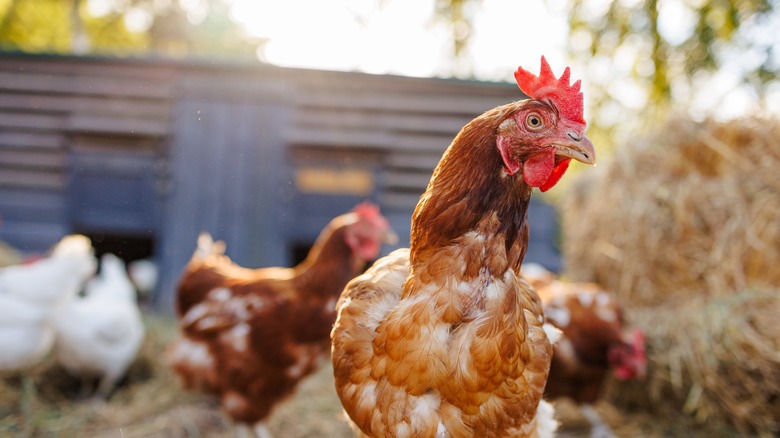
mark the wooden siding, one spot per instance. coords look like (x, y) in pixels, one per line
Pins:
(167, 150)
(49, 108)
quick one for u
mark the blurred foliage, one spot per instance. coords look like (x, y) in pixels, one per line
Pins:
(175, 28)
(643, 58)
(455, 13)
(668, 48)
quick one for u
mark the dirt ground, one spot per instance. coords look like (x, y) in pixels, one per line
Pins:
(44, 402)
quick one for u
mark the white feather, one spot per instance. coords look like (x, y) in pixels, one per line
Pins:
(32, 295)
(553, 334)
(101, 333)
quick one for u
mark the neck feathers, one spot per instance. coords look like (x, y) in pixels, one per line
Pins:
(330, 263)
(468, 185)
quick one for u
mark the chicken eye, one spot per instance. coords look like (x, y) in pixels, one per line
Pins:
(534, 121)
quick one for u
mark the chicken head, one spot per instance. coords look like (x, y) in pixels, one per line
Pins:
(369, 231)
(544, 133)
(628, 359)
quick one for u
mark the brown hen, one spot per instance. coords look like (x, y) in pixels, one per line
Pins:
(444, 339)
(248, 336)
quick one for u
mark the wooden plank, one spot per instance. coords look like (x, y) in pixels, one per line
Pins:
(11, 177)
(98, 124)
(367, 139)
(411, 161)
(21, 139)
(421, 143)
(347, 157)
(267, 180)
(32, 238)
(406, 121)
(470, 106)
(25, 205)
(233, 86)
(85, 84)
(117, 163)
(150, 108)
(360, 139)
(181, 221)
(148, 69)
(107, 144)
(36, 159)
(30, 120)
(237, 215)
(399, 201)
(393, 180)
(313, 80)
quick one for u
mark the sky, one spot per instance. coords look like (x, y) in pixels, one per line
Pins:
(402, 37)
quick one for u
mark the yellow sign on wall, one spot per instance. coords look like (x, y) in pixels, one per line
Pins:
(334, 181)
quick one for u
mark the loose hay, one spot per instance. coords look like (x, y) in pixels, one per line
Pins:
(43, 402)
(715, 359)
(684, 225)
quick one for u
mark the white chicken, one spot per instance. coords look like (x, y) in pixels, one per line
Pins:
(31, 295)
(100, 334)
(144, 274)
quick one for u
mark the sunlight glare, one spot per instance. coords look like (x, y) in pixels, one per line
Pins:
(344, 35)
(401, 36)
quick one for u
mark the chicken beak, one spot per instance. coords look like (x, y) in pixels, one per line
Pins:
(389, 237)
(576, 146)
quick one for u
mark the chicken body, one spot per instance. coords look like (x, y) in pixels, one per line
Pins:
(100, 334)
(26, 332)
(54, 278)
(250, 335)
(445, 339)
(595, 342)
(473, 363)
(31, 296)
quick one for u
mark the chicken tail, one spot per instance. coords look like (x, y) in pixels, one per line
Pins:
(208, 247)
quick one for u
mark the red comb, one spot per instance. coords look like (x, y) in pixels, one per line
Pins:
(367, 210)
(568, 98)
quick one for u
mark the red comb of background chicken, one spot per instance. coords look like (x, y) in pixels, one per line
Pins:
(568, 98)
(366, 210)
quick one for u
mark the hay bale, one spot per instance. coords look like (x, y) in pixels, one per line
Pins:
(714, 359)
(684, 225)
(695, 206)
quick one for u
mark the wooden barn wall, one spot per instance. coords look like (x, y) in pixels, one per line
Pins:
(65, 122)
(260, 157)
(227, 156)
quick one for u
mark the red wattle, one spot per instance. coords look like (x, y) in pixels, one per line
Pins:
(540, 170)
(538, 167)
(556, 175)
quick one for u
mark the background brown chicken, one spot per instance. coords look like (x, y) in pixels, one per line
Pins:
(249, 336)
(444, 338)
(595, 341)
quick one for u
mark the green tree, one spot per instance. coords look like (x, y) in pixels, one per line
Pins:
(643, 58)
(667, 50)
(124, 27)
(62, 26)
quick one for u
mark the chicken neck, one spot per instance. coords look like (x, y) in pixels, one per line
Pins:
(468, 187)
(329, 265)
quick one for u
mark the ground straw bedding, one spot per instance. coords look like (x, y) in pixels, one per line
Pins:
(684, 225)
(43, 402)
